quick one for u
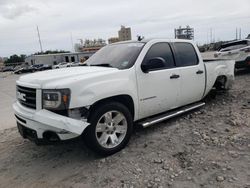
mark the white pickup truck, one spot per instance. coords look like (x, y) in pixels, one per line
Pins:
(136, 81)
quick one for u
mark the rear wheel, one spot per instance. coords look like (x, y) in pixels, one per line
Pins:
(220, 83)
(110, 129)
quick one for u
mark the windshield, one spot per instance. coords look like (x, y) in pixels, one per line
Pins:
(121, 56)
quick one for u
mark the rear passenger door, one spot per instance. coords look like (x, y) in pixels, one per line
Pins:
(158, 89)
(192, 73)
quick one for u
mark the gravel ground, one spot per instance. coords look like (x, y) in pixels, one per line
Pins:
(206, 148)
(7, 97)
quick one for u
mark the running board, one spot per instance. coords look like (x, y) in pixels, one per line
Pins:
(151, 121)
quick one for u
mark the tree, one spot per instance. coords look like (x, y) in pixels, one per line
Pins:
(15, 59)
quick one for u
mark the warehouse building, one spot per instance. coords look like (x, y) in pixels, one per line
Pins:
(54, 59)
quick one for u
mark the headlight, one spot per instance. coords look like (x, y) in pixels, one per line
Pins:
(56, 99)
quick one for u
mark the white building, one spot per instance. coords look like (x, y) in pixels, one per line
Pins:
(54, 59)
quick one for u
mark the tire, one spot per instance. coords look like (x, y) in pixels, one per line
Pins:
(110, 129)
(221, 83)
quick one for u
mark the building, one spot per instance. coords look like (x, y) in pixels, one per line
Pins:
(113, 40)
(90, 45)
(124, 33)
(54, 59)
(184, 33)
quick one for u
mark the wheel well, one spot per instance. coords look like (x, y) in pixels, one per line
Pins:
(126, 100)
(220, 82)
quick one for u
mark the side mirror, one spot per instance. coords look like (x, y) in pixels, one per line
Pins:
(153, 64)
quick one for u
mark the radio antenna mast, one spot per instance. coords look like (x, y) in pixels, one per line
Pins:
(39, 38)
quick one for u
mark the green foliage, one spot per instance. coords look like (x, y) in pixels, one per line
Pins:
(52, 52)
(15, 59)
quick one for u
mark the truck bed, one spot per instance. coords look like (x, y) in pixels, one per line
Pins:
(218, 67)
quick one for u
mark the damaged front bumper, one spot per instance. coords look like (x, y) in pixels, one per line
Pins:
(39, 122)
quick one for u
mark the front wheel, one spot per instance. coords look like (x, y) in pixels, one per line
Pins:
(110, 129)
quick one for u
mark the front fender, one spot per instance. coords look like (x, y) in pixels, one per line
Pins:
(100, 88)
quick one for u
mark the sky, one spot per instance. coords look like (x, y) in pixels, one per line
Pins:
(88, 19)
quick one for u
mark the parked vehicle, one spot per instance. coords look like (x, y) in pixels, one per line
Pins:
(238, 51)
(24, 69)
(17, 68)
(28, 68)
(75, 64)
(36, 67)
(8, 69)
(45, 67)
(62, 65)
(41, 67)
(143, 81)
(32, 68)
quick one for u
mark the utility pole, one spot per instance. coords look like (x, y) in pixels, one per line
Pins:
(240, 34)
(39, 38)
(211, 35)
(207, 37)
(72, 42)
(236, 33)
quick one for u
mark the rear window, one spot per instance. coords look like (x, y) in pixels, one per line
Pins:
(235, 45)
(186, 54)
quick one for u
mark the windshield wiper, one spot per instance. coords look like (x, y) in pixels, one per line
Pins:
(102, 65)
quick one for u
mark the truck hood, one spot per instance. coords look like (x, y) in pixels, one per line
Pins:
(56, 78)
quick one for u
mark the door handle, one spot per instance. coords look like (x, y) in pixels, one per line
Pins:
(174, 76)
(199, 72)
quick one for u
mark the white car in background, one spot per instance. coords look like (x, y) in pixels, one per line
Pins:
(238, 51)
(62, 65)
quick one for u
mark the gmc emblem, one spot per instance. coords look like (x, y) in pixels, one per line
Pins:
(21, 96)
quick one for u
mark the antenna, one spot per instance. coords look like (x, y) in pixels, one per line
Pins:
(39, 38)
(140, 38)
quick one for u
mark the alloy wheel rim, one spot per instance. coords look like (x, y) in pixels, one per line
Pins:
(111, 129)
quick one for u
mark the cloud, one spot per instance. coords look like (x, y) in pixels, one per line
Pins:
(12, 11)
(95, 18)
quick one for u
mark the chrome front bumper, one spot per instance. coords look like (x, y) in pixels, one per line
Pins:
(43, 120)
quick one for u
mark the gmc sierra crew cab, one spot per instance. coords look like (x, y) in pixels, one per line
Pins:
(143, 82)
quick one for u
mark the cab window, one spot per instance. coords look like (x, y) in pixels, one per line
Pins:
(161, 50)
(185, 54)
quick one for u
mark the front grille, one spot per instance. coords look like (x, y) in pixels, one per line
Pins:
(26, 96)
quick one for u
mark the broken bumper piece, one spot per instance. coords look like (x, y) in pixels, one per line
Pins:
(43, 121)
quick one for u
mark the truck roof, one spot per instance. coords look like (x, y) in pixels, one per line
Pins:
(152, 39)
